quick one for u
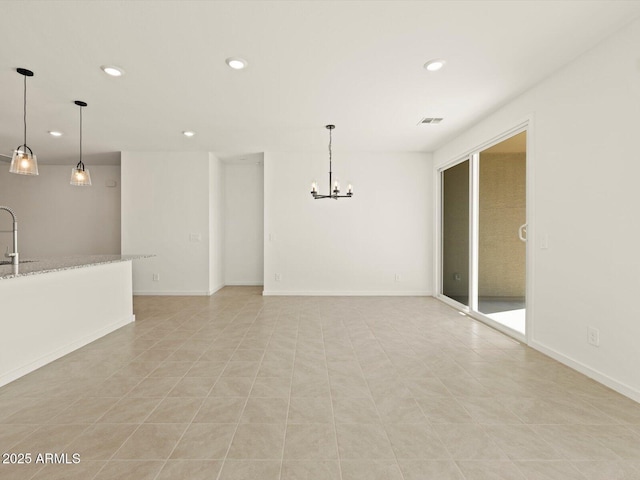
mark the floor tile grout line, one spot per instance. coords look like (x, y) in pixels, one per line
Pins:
(462, 406)
(524, 475)
(386, 434)
(139, 424)
(95, 421)
(592, 397)
(459, 469)
(333, 416)
(197, 410)
(229, 323)
(147, 416)
(286, 422)
(224, 460)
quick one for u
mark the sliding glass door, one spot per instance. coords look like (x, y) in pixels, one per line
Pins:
(484, 233)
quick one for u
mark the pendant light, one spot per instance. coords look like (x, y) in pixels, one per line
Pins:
(80, 176)
(336, 186)
(23, 161)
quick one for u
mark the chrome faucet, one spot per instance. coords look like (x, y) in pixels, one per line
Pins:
(14, 255)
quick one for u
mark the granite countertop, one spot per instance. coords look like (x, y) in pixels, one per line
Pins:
(36, 266)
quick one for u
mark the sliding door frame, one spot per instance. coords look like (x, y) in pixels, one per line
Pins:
(473, 156)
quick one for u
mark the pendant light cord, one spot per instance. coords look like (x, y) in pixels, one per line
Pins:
(82, 164)
(24, 110)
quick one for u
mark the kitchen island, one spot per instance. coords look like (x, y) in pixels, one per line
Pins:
(51, 307)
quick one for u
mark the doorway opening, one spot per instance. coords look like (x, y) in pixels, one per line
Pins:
(244, 221)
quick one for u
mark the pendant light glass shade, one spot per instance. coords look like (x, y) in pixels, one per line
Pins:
(23, 161)
(80, 176)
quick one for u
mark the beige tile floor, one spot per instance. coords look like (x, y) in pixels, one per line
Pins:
(237, 386)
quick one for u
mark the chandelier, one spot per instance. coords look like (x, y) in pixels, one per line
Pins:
(335, 193)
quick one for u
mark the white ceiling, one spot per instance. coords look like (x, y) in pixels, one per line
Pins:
(355, 64)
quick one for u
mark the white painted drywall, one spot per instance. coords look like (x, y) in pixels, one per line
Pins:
(350, 246)
(57, 219)
(216, 224)
(46, 316)
(244, 225)
(165, 201)
(584, 154)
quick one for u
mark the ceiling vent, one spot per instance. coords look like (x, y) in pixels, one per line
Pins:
(430, 120)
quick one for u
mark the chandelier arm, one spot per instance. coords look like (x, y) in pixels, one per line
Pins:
(318, 197)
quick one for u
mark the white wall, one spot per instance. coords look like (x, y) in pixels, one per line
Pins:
(584, 153)
(350, 246)
(216, 224)
(244, 225)
(57, 219)
(163, 204)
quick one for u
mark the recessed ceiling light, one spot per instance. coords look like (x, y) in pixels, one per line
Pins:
(112, 70)
(188, 133)
(236, 63)
(434, 65)
(54, 133)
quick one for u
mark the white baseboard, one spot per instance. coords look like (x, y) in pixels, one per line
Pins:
(408, 293)
(598, 376)
(188, 293)
(520, 337)
(197, 293)
(9, 377)
(250, 283)
(215, 289)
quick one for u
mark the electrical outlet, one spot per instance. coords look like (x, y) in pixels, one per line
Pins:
(156, 277)
(397, 277)
(593, 336)
(277, 277)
